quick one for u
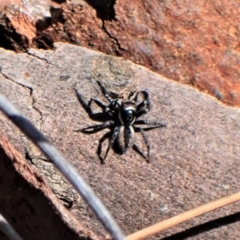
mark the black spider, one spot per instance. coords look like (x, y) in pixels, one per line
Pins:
(121, 116)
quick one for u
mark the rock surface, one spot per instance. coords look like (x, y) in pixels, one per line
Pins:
(28, 203)
(193, 161)
(192, 42)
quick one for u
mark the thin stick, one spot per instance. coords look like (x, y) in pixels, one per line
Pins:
(8, 229)
(156, 228)
(64, 166)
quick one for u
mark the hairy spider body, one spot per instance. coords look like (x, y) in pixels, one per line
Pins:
(126, 116)
(126, 138)
(121, 116)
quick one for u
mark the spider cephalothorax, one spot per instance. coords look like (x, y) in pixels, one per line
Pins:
(121, 116)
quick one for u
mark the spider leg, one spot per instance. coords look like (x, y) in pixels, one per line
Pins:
(154, 124)
(146, 142)
(103, 116)
(137, 149)
(143, 107)
(106, 93)
(99, 116)
(145, 97)
(112, 140)
(132, 95)
(96, 128)
(101, 141)
(82, 101)
(142, 130)
(101, 105)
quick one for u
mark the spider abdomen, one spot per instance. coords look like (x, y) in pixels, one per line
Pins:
(125, 138)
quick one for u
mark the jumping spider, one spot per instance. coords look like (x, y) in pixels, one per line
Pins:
(121, 116)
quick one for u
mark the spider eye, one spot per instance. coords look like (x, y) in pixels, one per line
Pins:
(114, 105)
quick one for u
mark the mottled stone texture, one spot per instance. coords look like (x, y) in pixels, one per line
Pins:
(193, 42)
(28, 203)
(193, 161)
